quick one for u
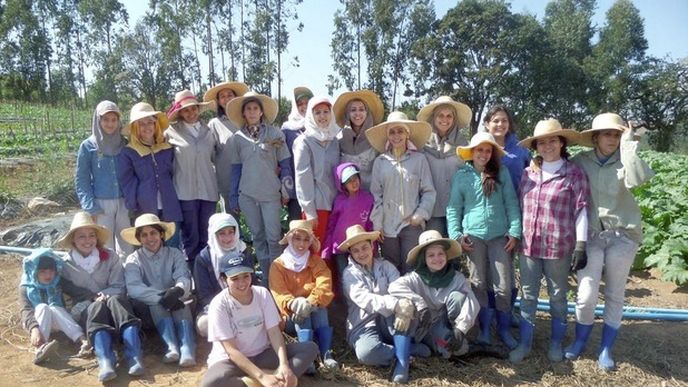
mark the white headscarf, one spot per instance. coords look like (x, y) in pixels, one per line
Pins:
(107, 144)
(312, 129)
(295, 121)
(216, 223)
(290, 258)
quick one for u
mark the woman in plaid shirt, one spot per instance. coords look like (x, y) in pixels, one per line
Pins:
(554, 196)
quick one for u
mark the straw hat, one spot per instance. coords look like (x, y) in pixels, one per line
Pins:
(239, 89)
(143, 110)
(604, 121)
(370, 99)
(129, 234)
(305, 226)
(355, 234)
(234, 108)
(419, 131)
(184, 99)
(430, 237)
(547, 128)
(466, 152)
(464, 113)
(83, 220)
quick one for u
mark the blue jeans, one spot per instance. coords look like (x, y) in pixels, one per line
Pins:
(556, 273)
(374, 345)
(318, 319)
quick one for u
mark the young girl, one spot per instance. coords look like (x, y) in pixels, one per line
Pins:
(401, 185)
(293, 128)
(258, 152)
(484, 216)
(96, 164)
(224, 242)
(195, 149)
(302, 286)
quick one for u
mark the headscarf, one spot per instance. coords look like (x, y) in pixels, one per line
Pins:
(107, 144)
(40, 259)
(312, 129)
(290, 258)
(439, 279)
(88, 262)
(295, 121)
(217, 254)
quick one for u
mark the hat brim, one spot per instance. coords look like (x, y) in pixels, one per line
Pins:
(453, 250)
(466, 152)
(364, 236)
(464, 113)
(315, 243)
(370, 99)
(239, 89)
(585, 137)
(237, 270)
(129, 234)
(163, 121)
(233, 109)
(420, 132)
(202, 106)
(569, 134)
(102, 234)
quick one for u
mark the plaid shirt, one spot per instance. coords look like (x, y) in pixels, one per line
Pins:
(550, 209)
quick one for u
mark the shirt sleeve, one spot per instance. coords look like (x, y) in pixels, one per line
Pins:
(128, 181)
(455, 209)
(305, 184)
(513, 210)
(116, 283)
(361, 296)
(636, 170)
(83, 180)
(427, 190)
(376, 188)
(269, 308)
(220, 327)
(322, 294)
(136, 288)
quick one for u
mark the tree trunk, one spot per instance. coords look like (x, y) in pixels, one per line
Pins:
(278, 38)
(211, 65)
(243, 46)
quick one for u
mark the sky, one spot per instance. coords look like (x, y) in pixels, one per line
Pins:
(666, 31)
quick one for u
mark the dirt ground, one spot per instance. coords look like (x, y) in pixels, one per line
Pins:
(649, 353)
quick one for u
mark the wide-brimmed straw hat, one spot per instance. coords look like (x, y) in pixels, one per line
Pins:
(143, 110)
(83, 220)
(129, 234)
(239, 89)
(370, 99)
(184, 99)
(466, 152)
(355, 234)
(463, 112)
(419, 131)
(431, 237)
(234, 108)
(547, 128)
(604, 121)
(305, 226)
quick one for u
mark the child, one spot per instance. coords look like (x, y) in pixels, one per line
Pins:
(43, 310)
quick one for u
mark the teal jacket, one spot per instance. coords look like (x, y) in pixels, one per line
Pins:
(470, 212)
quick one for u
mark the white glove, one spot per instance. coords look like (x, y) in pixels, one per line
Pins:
(403, 313)
(301, 308)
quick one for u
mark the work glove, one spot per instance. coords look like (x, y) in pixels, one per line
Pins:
(301, 308)
(403, 314)
(579, 258)
(170, 298)
(424, 324)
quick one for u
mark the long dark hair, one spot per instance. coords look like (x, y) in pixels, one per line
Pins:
(490, 175)
(500, 108)
(221, 111)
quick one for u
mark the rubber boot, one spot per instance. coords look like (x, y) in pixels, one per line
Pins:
(485, 317)
(574, 350)
(420, 350)
(605, 360)
(304, 336)
(525, 344)
(504, 329)
(325, 346)
(555, 352)
(515, 316)
(102, 346)
(187, 349)
(166, 330)
(132, 349)
(402, 351)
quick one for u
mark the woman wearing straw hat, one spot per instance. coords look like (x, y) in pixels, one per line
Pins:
(219, 96)
(96, 163)
(484, 216)
(401, 184)
(613, 168)
(145, 168)
(293, 128)
(158, 277)
(554, 195)
(356, 112)
(373, 313)
(316, 155)
(447, 117)
(445, 304)
(302, 286)
(258, 189)
(107, 312)
(195, 149)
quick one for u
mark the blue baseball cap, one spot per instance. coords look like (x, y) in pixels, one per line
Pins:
(235, 264)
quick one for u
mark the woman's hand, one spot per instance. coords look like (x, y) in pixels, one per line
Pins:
(286, 375)
(511, 243)
(466, 243)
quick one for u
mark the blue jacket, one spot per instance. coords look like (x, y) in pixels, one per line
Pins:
(470, 212)
(95, 177)
(207, 286)
(516, 159)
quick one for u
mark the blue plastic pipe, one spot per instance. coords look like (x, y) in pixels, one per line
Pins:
(629, 308)
(630, 312)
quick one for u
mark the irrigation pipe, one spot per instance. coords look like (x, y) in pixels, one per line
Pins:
(629, 312)
(24, 250)
(629, 308)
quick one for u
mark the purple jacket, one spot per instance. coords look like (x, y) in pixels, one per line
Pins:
(346, 212)
(140, 177)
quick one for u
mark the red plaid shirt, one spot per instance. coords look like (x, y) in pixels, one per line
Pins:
(550, 209)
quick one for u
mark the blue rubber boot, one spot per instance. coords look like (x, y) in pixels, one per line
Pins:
(605, 360)
(324, 335)
(515, 316)
(574, 350)
(304, 336)
(402, 351)
(555, 352)
(420, 350)
(132, 349)
(525, 344)
(485, 317)
(166, 330)
(504, 329)
(102, 346)
(187, 349)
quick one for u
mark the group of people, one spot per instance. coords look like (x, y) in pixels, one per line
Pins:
(378, 213)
